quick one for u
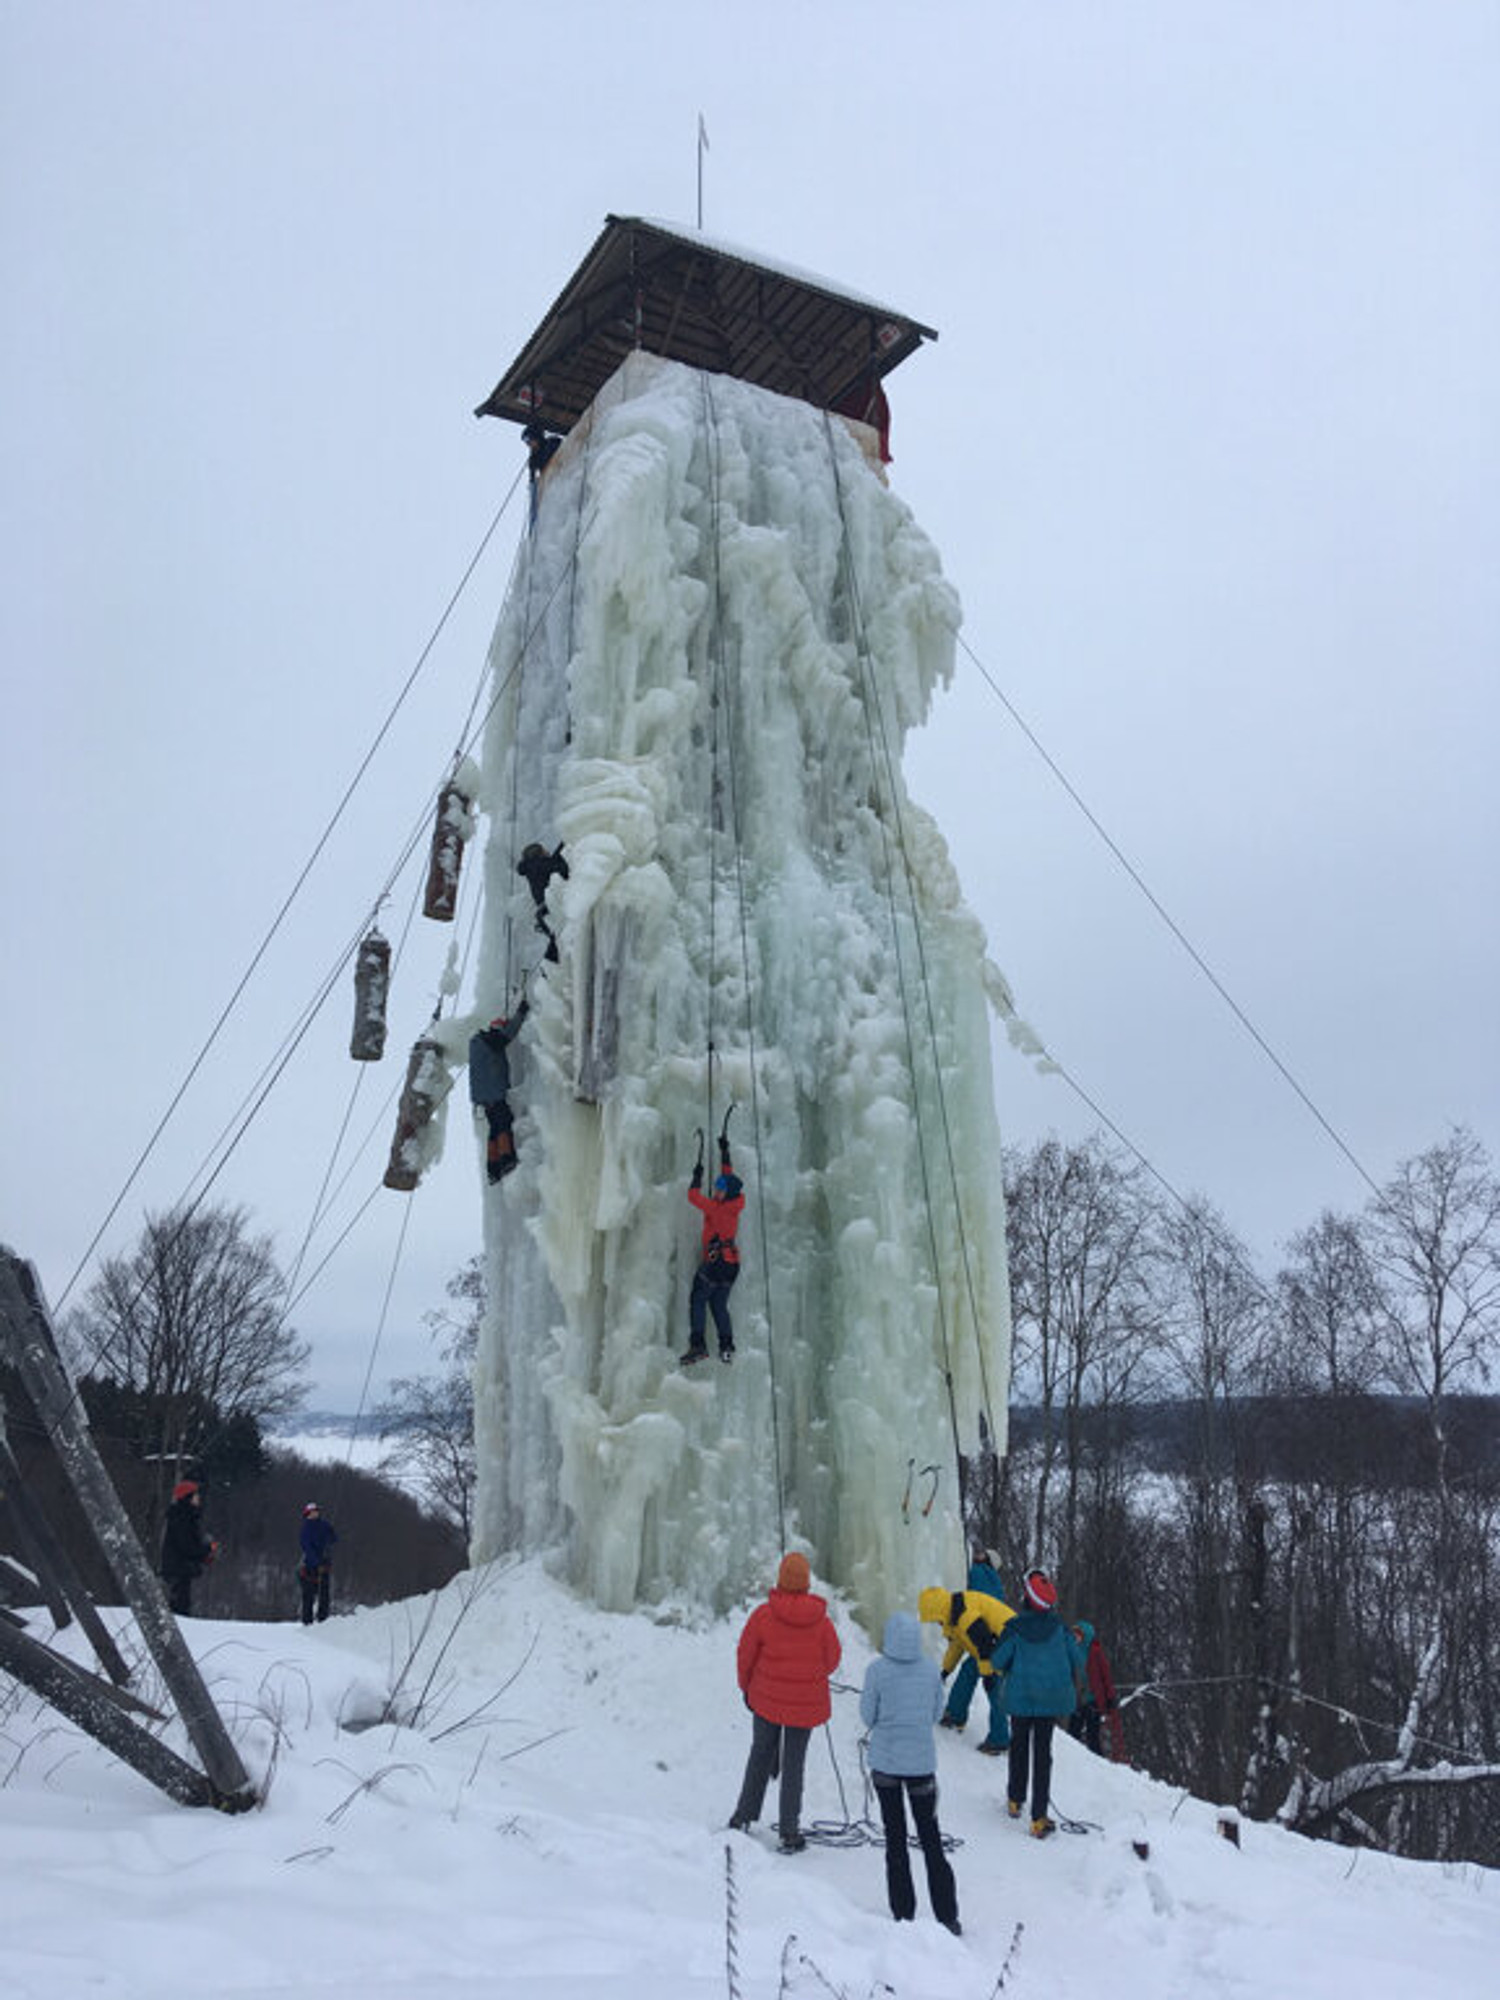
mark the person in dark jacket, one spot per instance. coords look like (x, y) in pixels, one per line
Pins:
(1042, 1667)
(542, 447)
(901, 1700)
(786, 1654)
(1098, 1699)
(489, 1088)
(186, 1551)
(314, 1570)
(984, 1578)
(720, 1264)
(539, 867)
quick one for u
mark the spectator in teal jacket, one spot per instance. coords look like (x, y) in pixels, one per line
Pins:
(982, 1576)
(1043, 1668)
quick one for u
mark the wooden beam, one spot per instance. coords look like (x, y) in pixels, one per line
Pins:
(54, 1567)
(26, 1333)
(94, 1706)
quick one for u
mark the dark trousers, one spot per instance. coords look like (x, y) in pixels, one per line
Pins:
(942, 1890)
(1083, 1727)
(710, 1294)
(315, 1586)
(180, 1594)
(1031, 1744)
(769, 1741)
(500, 1148)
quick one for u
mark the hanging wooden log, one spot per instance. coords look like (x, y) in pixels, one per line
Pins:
(450, 830)
(424, 1090)
(372, 981)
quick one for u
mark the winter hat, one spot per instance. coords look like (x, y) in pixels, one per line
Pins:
(794, 1573)
(1041, 1591)
(310, 1508)
(184, 1489)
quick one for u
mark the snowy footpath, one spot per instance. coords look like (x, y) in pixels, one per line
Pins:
(548, 1820)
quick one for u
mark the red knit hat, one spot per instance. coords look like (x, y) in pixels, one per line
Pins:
(183, 1488)
(794, 1573)
(1041, 1591)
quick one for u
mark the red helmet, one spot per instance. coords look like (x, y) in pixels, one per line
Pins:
(1041, 1591)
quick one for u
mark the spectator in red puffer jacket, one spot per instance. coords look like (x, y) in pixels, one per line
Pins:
(787, 1652)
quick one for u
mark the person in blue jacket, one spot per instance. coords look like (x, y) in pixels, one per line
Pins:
(314, 1570)
(489, 1089)
(901, 1700)
(1042, 1666)
(984, 1576)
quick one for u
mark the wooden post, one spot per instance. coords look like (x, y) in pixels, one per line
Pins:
(94, 1706)
(61, 1584)
(27, 1334)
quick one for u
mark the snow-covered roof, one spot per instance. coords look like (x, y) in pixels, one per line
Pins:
(710, 303)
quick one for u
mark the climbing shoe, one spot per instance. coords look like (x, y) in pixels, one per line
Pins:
(1013, 1808)
(726, 1354)
(1040, 1828)
(793, 1845)
(989, 1749)
(949, 1722)
(739, 1824)
(693, 1354)
(952, 1924)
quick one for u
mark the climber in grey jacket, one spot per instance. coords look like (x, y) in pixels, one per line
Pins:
(900, 1703)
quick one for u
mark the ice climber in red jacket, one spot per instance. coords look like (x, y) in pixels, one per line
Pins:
(787, 1652)
(720, 1265)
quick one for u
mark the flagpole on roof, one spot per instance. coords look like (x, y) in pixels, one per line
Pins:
(702, 149)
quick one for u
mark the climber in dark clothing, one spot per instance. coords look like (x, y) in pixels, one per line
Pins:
(541, 448)
(539, 867)
(721, 1258)
(185, 1550)
(489, 1088)
(314, 1570)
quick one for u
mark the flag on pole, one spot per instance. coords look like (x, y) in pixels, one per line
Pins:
(702, 133)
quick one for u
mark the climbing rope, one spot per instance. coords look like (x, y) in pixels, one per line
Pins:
(883, 762)
(291, 897)
(722, 706)
(1171, 923)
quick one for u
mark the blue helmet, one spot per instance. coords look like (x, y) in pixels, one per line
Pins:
(728, 1185)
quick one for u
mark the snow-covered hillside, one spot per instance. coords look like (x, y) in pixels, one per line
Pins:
(550, 1824)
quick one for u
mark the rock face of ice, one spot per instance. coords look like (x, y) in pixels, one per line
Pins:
(717, 636)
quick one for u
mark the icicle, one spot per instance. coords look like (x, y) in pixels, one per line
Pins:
(372, 978)
(450, 830)
(424, 1089)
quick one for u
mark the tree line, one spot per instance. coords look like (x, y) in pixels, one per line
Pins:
(182, 1355)
(1276, 1498)
(1303, 1584)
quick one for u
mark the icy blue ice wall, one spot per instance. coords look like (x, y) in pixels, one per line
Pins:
(715, 642)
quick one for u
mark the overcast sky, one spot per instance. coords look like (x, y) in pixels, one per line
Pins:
(1208, 444)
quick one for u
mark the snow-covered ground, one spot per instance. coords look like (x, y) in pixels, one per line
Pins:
(552, 1824)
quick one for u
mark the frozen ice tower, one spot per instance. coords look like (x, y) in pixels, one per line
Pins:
(721, 626)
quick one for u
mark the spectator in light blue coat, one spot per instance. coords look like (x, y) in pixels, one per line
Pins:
(900, 1702)
(1043, 1669)
(983, 1576)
